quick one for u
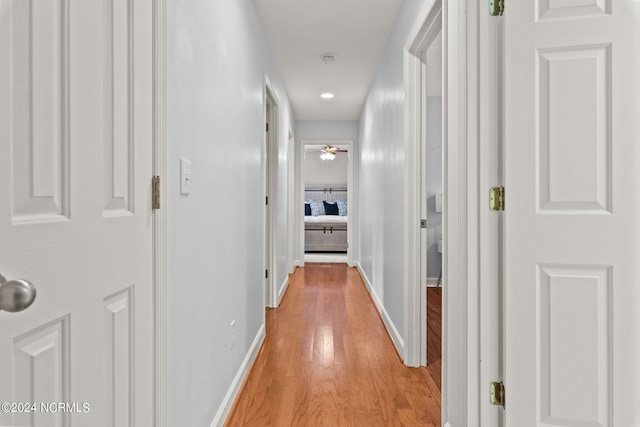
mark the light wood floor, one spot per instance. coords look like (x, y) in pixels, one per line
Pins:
(327, 360)
(434, 333)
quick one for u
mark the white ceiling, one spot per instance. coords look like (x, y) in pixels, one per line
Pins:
(300, 32)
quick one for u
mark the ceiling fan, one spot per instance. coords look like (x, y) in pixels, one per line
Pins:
(332, 149)
(328, 152)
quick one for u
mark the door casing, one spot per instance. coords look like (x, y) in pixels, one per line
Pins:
(470, 236)
(271, 191)
(160, 215)
(350, 192)
(291, 205)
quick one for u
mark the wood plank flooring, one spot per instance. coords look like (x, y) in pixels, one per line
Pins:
(327, 360)
(434, 333)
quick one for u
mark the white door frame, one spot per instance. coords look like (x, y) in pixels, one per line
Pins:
(271, 116)
(160, 215)
(488, 236)
(418, 201)
(291, 203)
(427, 27)
(470, 237)
(350, 191)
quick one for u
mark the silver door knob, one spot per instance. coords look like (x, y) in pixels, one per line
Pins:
(16, 295)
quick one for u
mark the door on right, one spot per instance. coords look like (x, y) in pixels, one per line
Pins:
(572, 213)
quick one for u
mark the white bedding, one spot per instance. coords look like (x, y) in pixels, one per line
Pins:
(335, 219)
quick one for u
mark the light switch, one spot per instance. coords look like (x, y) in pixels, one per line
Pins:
(185, 176)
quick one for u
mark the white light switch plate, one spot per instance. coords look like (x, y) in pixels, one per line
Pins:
(185, 176)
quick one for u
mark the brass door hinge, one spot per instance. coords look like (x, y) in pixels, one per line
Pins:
(496, 7)
(497, 394)
(155, 192)
(496, 198)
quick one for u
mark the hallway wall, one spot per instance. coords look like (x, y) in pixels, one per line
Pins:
(381, 195)
(434, 183)
(218, 58)
(318, 171)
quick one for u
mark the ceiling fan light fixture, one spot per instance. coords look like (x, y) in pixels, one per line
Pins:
(327, 95)
(327, 156)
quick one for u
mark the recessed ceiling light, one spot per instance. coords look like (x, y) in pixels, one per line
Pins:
(327, 95)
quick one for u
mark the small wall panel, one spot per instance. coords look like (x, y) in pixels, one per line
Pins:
(41, 372)
(39, 103)
(574, 347)
(118, 146)
(574, 130)
(118, 316)
(568, 9)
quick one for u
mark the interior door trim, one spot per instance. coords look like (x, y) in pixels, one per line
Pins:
(160, 215)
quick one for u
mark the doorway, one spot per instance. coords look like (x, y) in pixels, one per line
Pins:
(270, 194)
(325, 191)
(291, 206)
(425, 102)
(470, 131)
(431, 191)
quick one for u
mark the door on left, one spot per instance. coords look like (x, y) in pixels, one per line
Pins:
(75, 212)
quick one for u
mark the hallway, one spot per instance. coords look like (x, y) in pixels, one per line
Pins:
(327, 360)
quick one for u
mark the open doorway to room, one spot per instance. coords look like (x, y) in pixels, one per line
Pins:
(469, 148)
(431, 241)
(326, 186)
(271, 194)
(425, 203)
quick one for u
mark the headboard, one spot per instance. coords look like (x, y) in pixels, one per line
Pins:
(328, 192)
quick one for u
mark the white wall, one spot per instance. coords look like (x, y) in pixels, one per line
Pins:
(381, 194)
(318, 171)
(217, 61)
(434, 183)
(327, 129)
(434, 154)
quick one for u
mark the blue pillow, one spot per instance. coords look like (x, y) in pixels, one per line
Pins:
(330, 208)
(342, 208)
(315, 208)
(307, 209)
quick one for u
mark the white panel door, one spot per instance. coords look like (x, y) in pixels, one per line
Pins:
(75, 218)
(572, 158)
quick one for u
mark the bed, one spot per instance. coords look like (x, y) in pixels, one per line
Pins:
(322, 232)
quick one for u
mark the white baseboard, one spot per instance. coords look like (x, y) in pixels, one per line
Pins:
(232, 393)
(388, 323)
(283, 289)
(298, 263)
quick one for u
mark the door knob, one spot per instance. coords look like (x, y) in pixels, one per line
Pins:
(16, 295)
